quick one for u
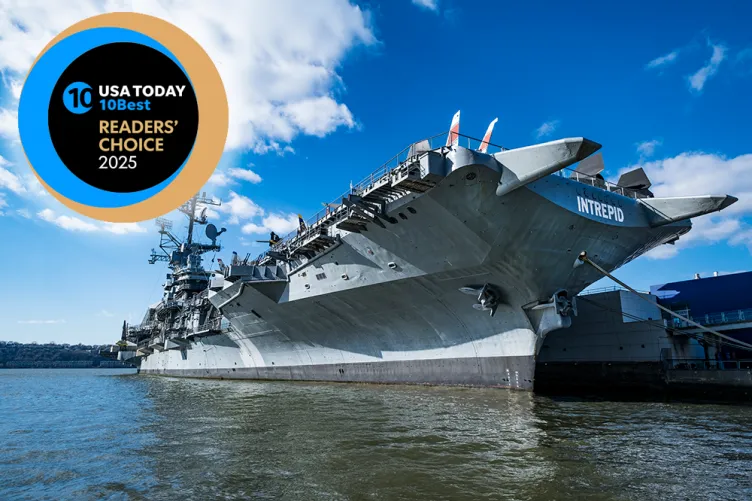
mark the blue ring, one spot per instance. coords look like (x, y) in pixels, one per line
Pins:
(33, 122)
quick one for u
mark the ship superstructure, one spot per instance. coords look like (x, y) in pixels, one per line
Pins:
(447, 265)
(184, 310)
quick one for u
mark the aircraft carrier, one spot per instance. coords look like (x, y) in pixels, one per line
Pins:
(448, 265)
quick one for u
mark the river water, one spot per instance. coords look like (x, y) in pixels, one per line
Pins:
(98, 434)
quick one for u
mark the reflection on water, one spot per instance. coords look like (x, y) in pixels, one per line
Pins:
(89, 435)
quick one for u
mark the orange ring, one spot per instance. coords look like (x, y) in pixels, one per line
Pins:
(212, 126)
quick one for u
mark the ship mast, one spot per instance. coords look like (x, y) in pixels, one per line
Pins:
(177, 252)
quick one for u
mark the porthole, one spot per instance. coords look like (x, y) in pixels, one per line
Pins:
(411, 210)
(402, 216)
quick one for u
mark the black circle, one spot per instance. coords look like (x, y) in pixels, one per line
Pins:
(76, 137)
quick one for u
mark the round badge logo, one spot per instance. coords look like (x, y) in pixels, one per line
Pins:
(123, 117)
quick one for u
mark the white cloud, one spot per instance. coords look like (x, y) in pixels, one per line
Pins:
(663, 60)
(105, 313)
(220, 179)
(15, 88)
(698, 79)
(281, 224)
(123, 228)
(9, 180)
(240, 207)
(8, 121)
(212, 214)
(60, 321)
(699, 173)
(72, 223)
(278, 60)
(233, 176)
(427, 4)
(24, 213)
(662, 252)
(647, 148)
(706, 230)
(244, 174)
(34, 187)
(318, 116)
(253, 229)
(66, 222)
(547, 128)
(705, 174)
(3, 201)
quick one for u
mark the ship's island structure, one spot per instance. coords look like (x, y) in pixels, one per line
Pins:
(448, 265)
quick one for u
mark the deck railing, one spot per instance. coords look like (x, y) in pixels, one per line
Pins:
(599, 183)
(406, 156)
(601, 290)
(718, 318)
(334, 209)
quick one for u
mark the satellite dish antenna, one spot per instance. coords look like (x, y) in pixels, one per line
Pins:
(212, 233)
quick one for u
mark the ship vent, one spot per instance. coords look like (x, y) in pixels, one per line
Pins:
(321, 276)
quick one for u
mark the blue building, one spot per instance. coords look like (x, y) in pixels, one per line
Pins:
(721, 302)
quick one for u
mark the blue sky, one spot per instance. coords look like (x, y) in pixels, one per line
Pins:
(321, 95)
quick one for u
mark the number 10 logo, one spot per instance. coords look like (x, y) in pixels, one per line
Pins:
(77, 98)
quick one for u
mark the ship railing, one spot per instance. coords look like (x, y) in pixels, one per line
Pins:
(402, 160)
(601, 290)
(599, 183)
(718, 318)
(708, 364)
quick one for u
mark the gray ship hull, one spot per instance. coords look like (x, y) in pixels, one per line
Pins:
(501, 372)
(384, 305)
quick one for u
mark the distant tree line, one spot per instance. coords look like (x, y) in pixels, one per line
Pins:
(37, 355)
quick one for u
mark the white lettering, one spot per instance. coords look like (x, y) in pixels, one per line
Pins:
(600, 209)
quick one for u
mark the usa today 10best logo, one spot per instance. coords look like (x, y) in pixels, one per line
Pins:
(123, 117)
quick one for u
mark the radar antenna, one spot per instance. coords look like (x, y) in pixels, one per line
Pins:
(177, 252)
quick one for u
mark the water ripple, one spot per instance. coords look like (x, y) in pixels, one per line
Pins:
(82, 435)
